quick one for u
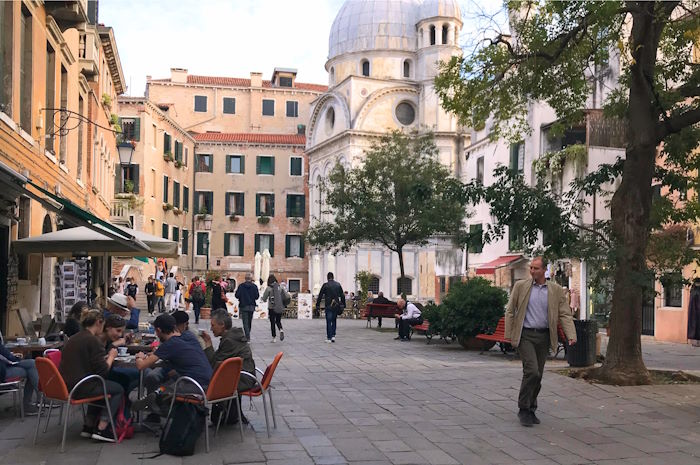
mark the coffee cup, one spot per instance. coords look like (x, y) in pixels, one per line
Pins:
(122, 351)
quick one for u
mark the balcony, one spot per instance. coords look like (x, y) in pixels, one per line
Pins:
(88, 53)
(120, 212)
(68, 14)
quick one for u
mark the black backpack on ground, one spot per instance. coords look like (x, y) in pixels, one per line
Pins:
(182, 429)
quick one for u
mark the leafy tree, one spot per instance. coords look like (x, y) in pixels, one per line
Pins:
(401, 195)
(553, 56)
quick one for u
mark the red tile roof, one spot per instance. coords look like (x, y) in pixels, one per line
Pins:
(281, 139)
(241, 82)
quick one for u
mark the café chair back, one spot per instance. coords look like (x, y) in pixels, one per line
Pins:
(264, 386)
(15, 385)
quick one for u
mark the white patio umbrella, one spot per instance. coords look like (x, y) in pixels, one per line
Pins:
(265, 272)
(316, 274)
(256, 268)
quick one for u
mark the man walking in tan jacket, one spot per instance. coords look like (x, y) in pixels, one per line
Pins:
(534, 309)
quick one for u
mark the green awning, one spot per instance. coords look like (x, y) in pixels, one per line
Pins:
(142, 259)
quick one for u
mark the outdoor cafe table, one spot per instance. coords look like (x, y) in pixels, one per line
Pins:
(130, 362)
(33, 349)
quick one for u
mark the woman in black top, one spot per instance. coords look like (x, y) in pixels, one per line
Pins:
(72, 325)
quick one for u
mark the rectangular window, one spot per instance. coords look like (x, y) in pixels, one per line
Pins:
(285, 82)
(200, 103)
(204, 163)
(166, 183)
(204, 202)
(292, 108)
(229, 106)
(6, 46)
(176, 234)
(235, 203)
(265, 205)
(295, 205)
(673, 293)
(235, 164)
(233, 245)
(294, 285)
(25, 71)
(176, 194)
(63, 141)
(130, 179)
(294, 246)
(185, 242)
(131, 128)
(296, 166)
(268, 107)
(202, 243)
(515, 240)
(50, 97)
(517, 157)
(480, 170)
(265, 165)
(164, 231)
(186, 198)
(178, 151)
(476, 241)
(167, 144)
(265, 242)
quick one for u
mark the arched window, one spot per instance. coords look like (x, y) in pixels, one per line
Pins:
(407, 68)
(432, 35)
(332, 75)
(365, 67)
(374, 285)
(319, 198)
(404, 285)
(444, 34)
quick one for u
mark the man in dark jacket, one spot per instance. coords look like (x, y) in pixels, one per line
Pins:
(384, 301)
(332, 291)
(247, 294)
(232, 344)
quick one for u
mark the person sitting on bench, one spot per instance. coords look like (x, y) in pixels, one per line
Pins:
(410, 317)
(384, 301)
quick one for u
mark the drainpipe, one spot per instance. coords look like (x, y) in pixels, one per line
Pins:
(192, 212)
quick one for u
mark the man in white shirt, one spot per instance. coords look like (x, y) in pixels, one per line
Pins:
(410, 316)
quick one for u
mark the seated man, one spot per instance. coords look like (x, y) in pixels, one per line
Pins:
(13, 367)
(181, 355)
(125, 307)
(410, 317)
(232, 344)
(384, 301)
(182, 323)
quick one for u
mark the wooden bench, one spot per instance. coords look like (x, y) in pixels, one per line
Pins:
(498, 336)
(373, 310)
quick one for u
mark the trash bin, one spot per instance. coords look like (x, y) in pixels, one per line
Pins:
(582, 354)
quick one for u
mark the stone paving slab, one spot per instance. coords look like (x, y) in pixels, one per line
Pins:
(370, 400)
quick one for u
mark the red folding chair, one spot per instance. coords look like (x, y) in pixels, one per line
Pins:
(264, 387)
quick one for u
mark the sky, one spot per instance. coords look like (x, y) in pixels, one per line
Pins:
(232, 38)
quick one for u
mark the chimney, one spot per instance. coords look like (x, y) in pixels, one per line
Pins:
(178, 75)
(255, 79)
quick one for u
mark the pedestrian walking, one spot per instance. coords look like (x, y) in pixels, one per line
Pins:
(277, 298)
(197, 292)
(150, 289)
(247, 294)
(534, 309)
(334, 301)
(131, 289)
(170, 288)
(160, 294)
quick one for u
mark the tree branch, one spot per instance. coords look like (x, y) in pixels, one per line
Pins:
(677, 124)
(593, 231)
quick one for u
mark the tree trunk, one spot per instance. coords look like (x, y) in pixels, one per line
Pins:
(401, 268)
(630, 209)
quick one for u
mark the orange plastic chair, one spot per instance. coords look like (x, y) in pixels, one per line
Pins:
(264, 387)
(54, 389)
(15, 385)
(223, 387)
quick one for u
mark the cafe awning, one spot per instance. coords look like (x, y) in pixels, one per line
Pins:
(16, 184)
(83, 241)
(504, 260)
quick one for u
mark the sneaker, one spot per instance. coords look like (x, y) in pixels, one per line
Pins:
(397, 338)
(525, 417)
(105, 435)
(31, 410)
(328, 341)
(333, 339)
(405, 339)
(87, 431)
(274, 339)
(144, 403)
(281, 335)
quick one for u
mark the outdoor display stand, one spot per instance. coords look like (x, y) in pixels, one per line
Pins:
(71, 279)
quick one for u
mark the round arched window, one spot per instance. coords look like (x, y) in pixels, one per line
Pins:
(405, 113)
(330, 118)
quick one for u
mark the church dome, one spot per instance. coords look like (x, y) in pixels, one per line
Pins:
(363, 25)
(444, 8)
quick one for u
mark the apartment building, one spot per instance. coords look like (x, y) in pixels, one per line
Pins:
(60, 72)
(153, 190)
(250, 183)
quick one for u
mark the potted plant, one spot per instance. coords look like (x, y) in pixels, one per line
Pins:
(106, 100)
(295, 220)
(167, 206)
(177, 211)
(469, 308)
(263, 219)
(203, 213)
(129, 186)
(178, 164)
(233, 217)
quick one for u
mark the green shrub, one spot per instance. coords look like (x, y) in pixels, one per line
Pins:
(470, 308)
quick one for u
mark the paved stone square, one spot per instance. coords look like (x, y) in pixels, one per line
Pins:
(370, 400)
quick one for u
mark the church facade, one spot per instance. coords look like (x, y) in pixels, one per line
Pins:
(383, 57)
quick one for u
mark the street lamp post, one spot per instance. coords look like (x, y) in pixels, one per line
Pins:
(207, 227)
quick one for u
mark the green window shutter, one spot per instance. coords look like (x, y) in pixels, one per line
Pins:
(302, 206)
(301, 247)
(257, 206)
(273, 165)
(242, 164)
(137, 129)
(228, 163)
(240, 244)
(513, 156)
(257, 243)
(186, 198)
(137, 179)
(228, 202)
(272, 209)
(211, 203)
(242, 204)
(272, 246)
(257, 165)
(287, 246)
(227, 250)
(289, 205)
